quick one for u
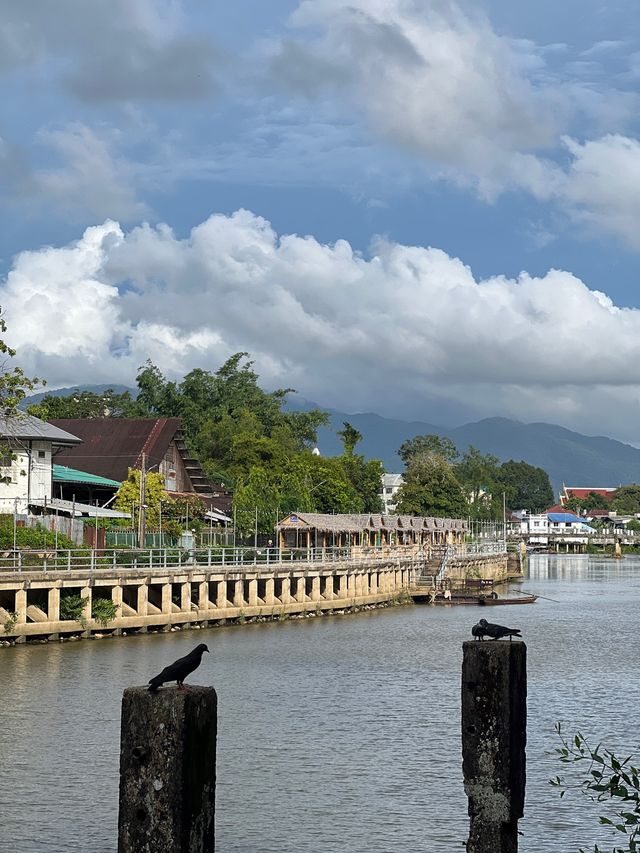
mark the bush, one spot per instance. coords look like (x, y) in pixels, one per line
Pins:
(71, 607)
(30, 537)
(103, 610)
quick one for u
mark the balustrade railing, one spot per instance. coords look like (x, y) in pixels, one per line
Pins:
(225, 558)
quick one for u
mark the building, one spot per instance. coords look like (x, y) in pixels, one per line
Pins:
(568, 522)
(112, 446)
(27, 473)
(581, 493)
(390, 485)
(73, 485)
(367, 530)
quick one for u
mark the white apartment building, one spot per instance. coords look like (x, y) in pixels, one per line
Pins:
(390, 485)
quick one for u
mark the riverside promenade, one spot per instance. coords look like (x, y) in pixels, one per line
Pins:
(161, 590)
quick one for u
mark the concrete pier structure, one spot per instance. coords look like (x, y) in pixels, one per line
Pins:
(184, 596)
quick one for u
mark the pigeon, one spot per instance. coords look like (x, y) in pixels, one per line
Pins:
(478, 632)
(180, 669)
(496, 632)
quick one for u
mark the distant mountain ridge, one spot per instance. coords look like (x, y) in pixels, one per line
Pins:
(567, 456)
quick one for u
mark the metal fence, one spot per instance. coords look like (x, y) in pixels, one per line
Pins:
(227, 558)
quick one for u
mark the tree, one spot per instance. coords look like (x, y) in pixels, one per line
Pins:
(432, 445)
(430, 488)
(478, 475)
(525, 486)
(626, 499)
(14, 385)
(157, 501)
(85, 404)
(349, 436)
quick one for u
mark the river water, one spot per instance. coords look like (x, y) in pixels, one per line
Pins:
(335, 734)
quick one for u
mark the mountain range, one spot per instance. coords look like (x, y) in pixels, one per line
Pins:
(568, 457)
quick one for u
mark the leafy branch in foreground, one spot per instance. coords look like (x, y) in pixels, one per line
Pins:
(608, 780)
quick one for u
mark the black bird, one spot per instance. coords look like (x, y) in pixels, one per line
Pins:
(478, 632)
(496, 632)
(179, 669)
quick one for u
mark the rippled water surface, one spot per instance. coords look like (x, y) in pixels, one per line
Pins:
(335, 734)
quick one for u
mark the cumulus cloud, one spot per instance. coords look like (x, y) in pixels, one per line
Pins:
(121, 50)
(429, 78)
(478, 107)
(388, 330)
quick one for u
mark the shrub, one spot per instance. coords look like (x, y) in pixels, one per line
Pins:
(103, 610)
(71, 607)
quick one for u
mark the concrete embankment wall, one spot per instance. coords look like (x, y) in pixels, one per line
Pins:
(494, 567)
(184, 597)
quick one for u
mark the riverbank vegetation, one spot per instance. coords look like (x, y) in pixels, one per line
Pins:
(247, 439)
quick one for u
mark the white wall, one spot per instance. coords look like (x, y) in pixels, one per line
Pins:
(29, 477)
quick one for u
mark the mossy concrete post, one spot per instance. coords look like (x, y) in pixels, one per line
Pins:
(167, 770)
(494, 733)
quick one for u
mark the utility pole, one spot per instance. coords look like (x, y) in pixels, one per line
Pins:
(143, 496)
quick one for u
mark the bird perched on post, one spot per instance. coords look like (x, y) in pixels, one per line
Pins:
(496, 632)
(179, 669)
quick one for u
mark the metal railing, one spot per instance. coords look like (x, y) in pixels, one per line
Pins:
(225, 558)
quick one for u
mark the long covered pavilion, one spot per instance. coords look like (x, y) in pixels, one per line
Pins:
(319, 530)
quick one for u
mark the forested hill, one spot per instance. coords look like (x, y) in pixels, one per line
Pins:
(567, 456)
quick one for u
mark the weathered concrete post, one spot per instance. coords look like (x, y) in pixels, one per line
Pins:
(494, 733)
(167, 770)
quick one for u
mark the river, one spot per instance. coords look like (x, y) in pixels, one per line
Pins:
(339, 733)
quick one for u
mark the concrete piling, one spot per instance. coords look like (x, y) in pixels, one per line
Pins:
(167, 770)
(494, 731)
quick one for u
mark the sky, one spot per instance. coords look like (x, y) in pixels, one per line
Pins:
(425, 209)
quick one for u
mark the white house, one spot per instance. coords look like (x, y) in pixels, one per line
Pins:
(390, 485)
(28, 447)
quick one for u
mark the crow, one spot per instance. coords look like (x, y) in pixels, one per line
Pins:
(180, 669)
(494, 631)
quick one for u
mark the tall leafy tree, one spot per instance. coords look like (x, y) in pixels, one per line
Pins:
(525, 486)
(350, 437)
(433, 445)
(430, 488)
(478, 474)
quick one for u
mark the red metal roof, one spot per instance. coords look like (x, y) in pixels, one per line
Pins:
(582, 494)
(113, 445)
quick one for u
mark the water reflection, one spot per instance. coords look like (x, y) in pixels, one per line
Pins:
(336, 734)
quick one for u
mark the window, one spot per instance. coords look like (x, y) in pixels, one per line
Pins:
(6, 460)
(42, 454)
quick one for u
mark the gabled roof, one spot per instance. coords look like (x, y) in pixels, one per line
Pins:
(28, 428)
(363, 521)
(564, 518)
(113, 445)
(581, 493)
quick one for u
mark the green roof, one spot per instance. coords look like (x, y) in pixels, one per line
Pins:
(62, 474)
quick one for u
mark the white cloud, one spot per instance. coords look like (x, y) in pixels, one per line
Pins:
(603, 184)
(431, 79)
(391, 329)
(91, 180)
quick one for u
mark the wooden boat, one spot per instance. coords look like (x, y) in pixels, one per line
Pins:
(490, 601)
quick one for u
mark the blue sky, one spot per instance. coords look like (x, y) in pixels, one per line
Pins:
(464, 181)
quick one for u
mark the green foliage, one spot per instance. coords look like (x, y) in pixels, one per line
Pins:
(103, 610)
(430, 488)
(592, 501)
(71, 606)
(609, 780)
(86, 404)
(634, 525)
(350, 437)
(174, 509)
(30, 537)
(479, 476)
(430, 445)
(626, 499)
(525, 486)
(10, 622)
(13, 382)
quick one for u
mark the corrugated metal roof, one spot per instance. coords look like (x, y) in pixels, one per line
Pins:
(79, 509)
(62, 474)
(28, 428)
(113, 445)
